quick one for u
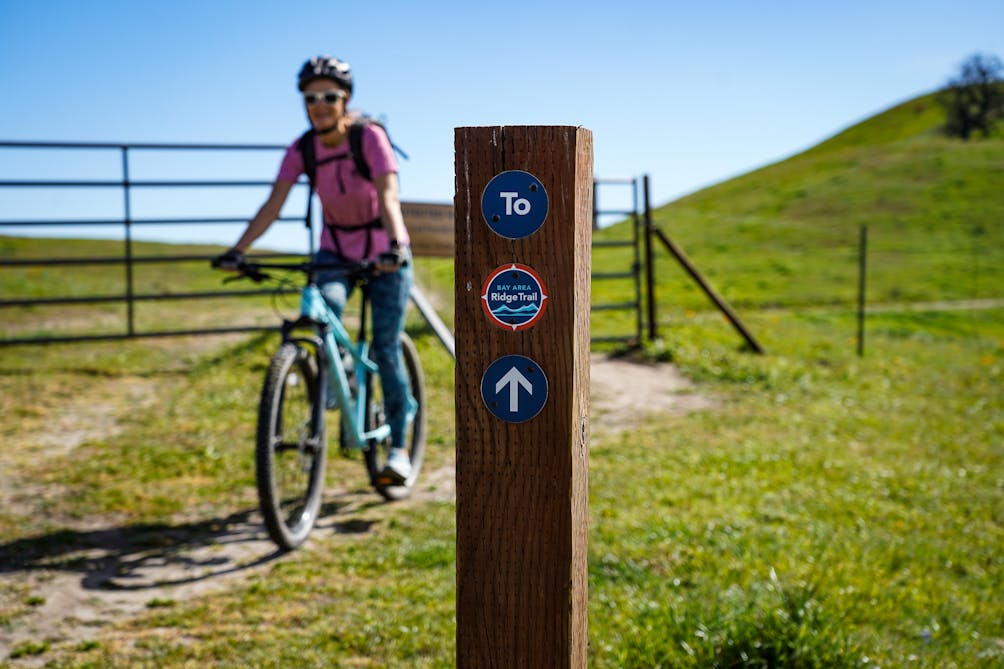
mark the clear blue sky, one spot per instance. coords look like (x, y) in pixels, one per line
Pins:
(688, 92)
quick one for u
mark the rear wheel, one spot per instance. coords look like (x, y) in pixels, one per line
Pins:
(414, 440)
(291, 449)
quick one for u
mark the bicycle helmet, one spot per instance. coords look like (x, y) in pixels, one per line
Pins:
(326, 67)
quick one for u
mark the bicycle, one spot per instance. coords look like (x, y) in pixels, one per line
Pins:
(319, 369)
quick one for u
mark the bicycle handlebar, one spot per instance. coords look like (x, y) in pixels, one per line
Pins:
(253, 270)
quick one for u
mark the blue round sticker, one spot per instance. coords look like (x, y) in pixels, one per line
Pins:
(514, 388)
(513, 297)
(514, 204)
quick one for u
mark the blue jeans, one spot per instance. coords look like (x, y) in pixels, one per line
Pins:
(389, 293)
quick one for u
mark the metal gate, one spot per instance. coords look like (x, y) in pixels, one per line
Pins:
(617, 294)
(619, 315)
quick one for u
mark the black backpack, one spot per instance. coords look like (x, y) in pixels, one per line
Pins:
(306, 147)
(310, 163)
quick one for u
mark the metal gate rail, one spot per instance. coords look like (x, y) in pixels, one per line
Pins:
(128, 223)
(634, 271)
(129, 259)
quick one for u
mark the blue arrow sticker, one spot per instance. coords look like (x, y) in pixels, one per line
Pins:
(514, 204)
(514, 388)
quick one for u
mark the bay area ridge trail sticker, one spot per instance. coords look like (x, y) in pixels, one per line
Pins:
(514, 388)
(513, 297)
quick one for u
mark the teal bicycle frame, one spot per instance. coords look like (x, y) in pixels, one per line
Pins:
(335, 338)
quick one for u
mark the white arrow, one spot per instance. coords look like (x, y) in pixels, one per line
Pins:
(514, 379)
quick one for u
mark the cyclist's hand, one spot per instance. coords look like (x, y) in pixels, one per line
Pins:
(232, 260)
(393, 259)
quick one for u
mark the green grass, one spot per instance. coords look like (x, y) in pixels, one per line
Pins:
(830, 511)
(872, 489)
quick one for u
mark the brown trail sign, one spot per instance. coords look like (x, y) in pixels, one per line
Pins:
(430, 226)
(523, 226)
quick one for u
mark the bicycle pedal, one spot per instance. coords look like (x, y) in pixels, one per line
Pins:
(389, 480)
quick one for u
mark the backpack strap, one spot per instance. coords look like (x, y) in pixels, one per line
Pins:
(305, 145)
(356, 148)
(368, 228)
(356, 144)
(307, 150)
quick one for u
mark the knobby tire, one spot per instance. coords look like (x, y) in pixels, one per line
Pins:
(291, 445)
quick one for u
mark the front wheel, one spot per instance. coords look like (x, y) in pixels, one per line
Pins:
(414, 437)
(291, 448)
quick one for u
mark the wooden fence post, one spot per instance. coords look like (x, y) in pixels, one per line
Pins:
(862, 271)
(523, 230)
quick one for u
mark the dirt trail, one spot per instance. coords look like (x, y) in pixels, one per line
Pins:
(93, 576)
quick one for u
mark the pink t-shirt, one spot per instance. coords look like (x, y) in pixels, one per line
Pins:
(347, 199)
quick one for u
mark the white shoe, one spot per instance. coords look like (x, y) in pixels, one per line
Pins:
(398, 467)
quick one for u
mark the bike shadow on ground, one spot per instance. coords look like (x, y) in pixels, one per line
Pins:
(157, 555)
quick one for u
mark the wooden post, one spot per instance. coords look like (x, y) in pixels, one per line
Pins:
(653, 325)
(862, 270)
(522, 498)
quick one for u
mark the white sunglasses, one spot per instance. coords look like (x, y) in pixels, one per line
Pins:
(329, 97)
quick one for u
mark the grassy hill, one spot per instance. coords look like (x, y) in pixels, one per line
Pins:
(787, 234)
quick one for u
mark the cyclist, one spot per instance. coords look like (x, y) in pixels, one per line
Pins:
(362, 221)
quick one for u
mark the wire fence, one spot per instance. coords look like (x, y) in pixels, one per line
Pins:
(862, 271)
